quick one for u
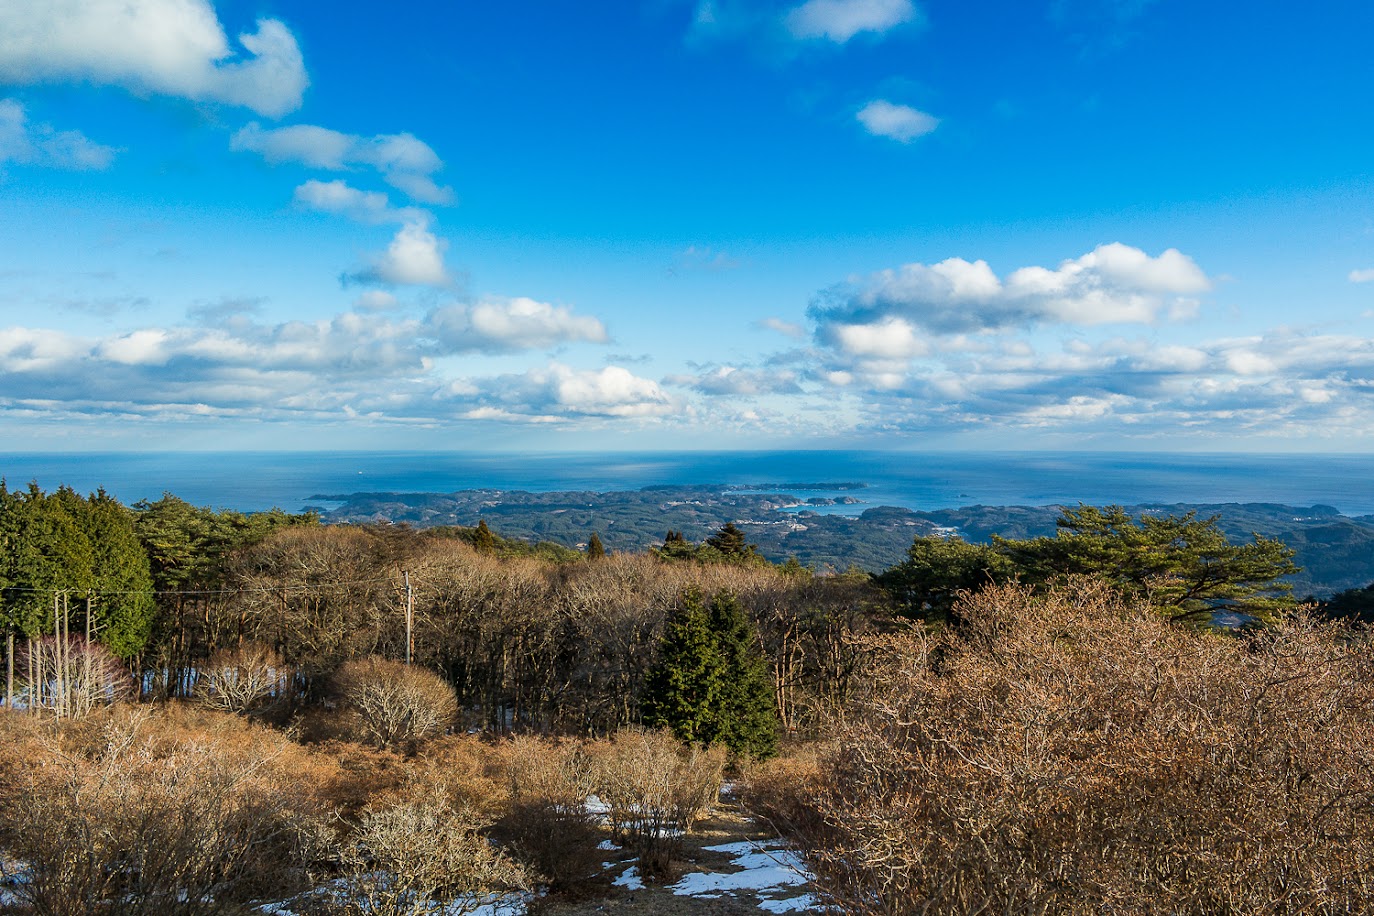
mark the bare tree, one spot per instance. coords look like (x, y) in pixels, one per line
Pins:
(394, 702)
(657, 788)
(245, 679)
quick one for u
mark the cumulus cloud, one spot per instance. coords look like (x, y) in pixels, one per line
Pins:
(365, 361)
(495, 325)
(560, 392)
(404, 161)
(340, 198)
(1113, 284)
(897, 122)
(1362, 276)
(841, 20)
(164, 47)
(415, 257)
(25, 143)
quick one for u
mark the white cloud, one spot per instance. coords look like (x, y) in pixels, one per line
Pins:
(561, 392)
(166, 47)
(39, 144)
(404, 161)
(1113, 284)
(841, 20)
(898, 122)
(496, 324)
(734, 381)
(1362, 276)
(891, 338)
(414, 257)
(340, 198)
(786, 328)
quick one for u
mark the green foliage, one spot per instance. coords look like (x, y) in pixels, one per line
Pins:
(1182, 565)
(731, 542)
(595, 550)
(682, 690)
(482, 538)
(937, 570)
(711, 683)
(493, 543)
(83, 548)
(746, 720)
(1355, 604)
(187, 545)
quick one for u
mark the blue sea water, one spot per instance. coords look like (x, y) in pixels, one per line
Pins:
(250, 481)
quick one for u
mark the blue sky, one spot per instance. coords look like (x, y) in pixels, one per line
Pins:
(1104, 224)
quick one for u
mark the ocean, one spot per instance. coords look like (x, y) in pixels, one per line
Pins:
(252, 481)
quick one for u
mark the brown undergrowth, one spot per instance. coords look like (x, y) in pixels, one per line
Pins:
(1067, 753)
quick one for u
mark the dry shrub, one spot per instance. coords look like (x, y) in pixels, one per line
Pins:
(251, 678)
(395, 703)
(656, 788)
(785, 790)
(135, 814)
(405, 857)
(1069, 754)
(547, 825)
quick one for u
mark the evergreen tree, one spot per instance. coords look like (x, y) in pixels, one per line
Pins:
(731, 542)
(681, 690)
(482, 538)
(1183, 566)
(595, 551)
(745, 710)
(711, 682)
(121, 604)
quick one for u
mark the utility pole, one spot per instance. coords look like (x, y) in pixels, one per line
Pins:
(410, 618)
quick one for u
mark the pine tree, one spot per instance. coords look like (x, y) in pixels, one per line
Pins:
(595, 551)
(730, 541)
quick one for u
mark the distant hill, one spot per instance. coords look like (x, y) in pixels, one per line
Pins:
(1335, 551)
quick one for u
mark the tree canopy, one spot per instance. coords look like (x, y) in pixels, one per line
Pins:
(1182, 565)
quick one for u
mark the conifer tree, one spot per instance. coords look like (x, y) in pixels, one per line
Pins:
(482, 538)
(681, 690)
(711, 683)
(746, 713)
(595, 550)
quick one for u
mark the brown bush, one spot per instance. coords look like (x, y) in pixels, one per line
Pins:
(395, 703)
(656, 789)
(251, 678)
(404, 856)
(547, 825)
(784, 792)
(1070, 754)
(137, 815)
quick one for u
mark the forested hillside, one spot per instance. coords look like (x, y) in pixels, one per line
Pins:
(1335, 552)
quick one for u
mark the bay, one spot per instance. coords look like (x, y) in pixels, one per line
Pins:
(251, 481)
